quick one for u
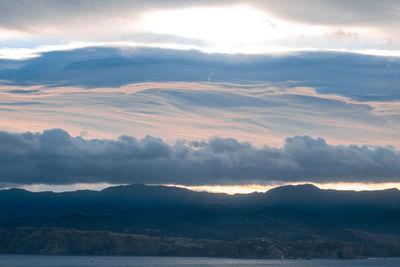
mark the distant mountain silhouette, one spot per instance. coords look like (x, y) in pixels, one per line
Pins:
(300, 213)
(303, 197)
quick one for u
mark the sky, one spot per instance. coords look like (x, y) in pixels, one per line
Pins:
(225, 95)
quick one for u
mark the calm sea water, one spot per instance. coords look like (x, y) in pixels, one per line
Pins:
(106, 261)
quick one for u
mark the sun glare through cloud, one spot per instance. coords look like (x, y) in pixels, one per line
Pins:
(243, 29)
(232, 25)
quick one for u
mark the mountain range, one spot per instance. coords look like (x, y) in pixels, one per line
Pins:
(287, 221)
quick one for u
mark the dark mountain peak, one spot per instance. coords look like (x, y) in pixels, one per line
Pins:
(391, 190)
(303, 195)
(144, 189)
(295, 189)
(15, 191)
(164, 195)
(118, 188)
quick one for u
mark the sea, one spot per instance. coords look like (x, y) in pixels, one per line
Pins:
(125, 261)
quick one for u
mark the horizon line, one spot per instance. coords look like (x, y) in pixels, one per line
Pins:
(212, 189)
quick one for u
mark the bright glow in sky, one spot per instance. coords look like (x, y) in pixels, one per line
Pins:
(222, 29)
(233, 25)
(227, 189)
(250, 188)
(241, 29)
(228, 25)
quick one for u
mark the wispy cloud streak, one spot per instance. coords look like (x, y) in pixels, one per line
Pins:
(256, 112)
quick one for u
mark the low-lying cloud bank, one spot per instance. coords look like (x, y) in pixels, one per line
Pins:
(54, 157)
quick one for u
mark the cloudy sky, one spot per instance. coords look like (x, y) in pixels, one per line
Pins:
(225, 93)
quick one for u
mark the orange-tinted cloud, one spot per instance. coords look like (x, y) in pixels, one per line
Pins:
(257, 113)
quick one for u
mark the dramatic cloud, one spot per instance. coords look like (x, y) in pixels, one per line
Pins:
(231, 25)
(361, 77)
(101, 69)
(178, 110)
(314, 11)
(104, 93)
(54, 157)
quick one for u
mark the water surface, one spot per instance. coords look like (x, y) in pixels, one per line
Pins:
(125, 261)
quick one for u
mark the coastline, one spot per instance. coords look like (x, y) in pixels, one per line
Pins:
(73, 242)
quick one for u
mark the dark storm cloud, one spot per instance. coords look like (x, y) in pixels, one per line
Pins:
(54, 157)
(361, 77)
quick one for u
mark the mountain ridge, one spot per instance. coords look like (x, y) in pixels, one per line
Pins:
(292, 196)
(288, 216)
